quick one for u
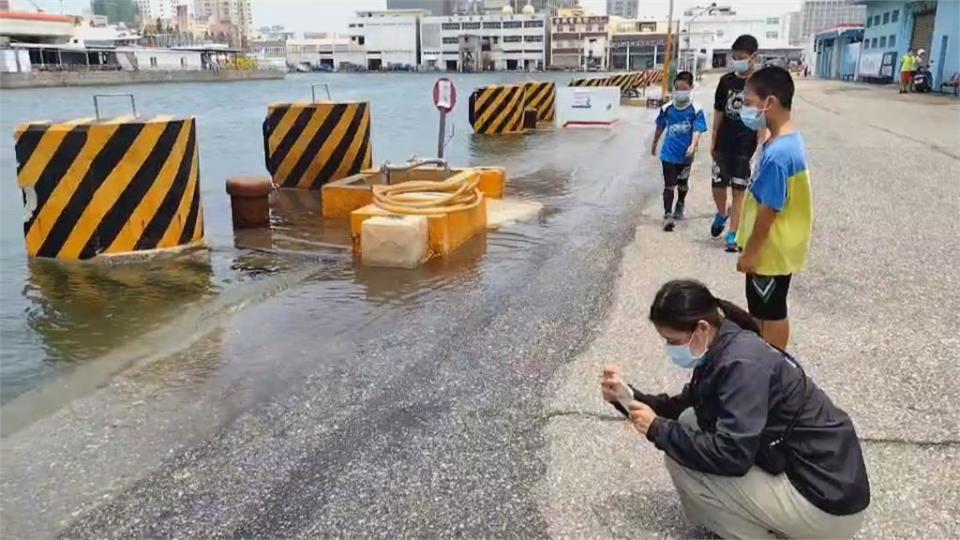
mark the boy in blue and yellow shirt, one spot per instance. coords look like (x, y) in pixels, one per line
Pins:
(777, 213)
(683, 121)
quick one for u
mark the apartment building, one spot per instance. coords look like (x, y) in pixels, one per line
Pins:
(628, 9)
(579, 42)
(151, 10)
(817, 15)
(225, 13)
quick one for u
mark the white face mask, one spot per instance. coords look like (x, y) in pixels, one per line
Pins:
(681, 96)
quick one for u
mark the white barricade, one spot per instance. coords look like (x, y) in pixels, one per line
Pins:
(587, 106)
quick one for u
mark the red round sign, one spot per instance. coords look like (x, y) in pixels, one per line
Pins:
(444, 94)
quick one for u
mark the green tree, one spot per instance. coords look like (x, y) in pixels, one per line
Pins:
(116, 11)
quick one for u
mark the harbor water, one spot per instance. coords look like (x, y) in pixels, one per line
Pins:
(85, 322)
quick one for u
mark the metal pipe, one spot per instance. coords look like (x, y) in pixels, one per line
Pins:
(413, 163)
(96, 102)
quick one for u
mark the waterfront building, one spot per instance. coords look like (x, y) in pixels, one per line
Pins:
(390, 37)
(330, 52)
(269, 52)
(628, 9)
(893, 27)
(33, 57)
(579, 42)
(504, 41)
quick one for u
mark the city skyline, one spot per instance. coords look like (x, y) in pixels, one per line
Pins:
(332, 15)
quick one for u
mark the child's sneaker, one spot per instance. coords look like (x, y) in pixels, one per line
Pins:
(678, 213)
(732, 242)
(719, 222)
(668, 224)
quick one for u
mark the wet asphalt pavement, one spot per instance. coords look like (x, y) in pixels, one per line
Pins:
(421, 422)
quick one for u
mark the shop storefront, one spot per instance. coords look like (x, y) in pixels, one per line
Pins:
(637, 51)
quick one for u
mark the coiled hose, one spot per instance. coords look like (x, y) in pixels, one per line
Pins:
(420, 197)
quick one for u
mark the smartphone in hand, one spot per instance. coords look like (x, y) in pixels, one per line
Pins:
(624, 396)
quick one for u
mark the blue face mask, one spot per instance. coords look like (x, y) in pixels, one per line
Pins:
(753, 118)
(741, 66)
(682, 356)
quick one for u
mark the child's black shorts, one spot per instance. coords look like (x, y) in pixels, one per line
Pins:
(675, 173)
(767, 296)
(731, 170)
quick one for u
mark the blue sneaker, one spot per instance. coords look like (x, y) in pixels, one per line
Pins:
(719, 222)
(678, 213)
(732, 242)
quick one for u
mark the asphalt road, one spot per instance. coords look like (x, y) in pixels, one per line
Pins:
(468, 405)
(421, 418)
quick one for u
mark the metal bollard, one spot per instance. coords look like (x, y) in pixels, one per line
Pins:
(250, 201)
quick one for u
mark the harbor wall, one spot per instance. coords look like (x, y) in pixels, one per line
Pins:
(46, 79)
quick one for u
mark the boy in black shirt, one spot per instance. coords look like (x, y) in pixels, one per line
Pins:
(733, 143)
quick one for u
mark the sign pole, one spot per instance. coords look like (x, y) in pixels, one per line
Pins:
(444, 99)
(443, 132)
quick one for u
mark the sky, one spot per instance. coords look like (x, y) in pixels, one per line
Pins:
(332, 15)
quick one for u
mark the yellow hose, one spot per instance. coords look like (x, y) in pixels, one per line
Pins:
(419, 197)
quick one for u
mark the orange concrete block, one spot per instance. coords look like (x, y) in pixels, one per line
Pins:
(341, 199)
(446, 232)
(493, 181)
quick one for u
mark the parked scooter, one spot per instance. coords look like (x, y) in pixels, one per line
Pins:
(922, 80)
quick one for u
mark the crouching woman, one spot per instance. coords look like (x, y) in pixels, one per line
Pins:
(754, 447)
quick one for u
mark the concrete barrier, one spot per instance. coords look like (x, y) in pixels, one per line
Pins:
(584, 106)
(308, 144)
(592, 81)
(541, 96)
(497, 110)
(627, 82)
(109, 187)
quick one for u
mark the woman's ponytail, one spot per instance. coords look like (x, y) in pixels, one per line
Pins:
(738, 315)
(680, 304)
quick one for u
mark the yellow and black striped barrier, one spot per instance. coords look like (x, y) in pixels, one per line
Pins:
(626, 81)
(541, 96)
(623, 80)
(109, 187)
(495, 110)
(596, 81)
(308, 144)
(650, 76)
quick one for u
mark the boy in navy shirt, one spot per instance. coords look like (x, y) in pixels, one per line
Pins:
(683, 121)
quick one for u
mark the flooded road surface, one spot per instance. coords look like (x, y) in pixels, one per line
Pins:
(287, 392)
(44, 338)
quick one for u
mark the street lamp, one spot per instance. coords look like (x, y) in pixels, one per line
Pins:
(693, 13)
